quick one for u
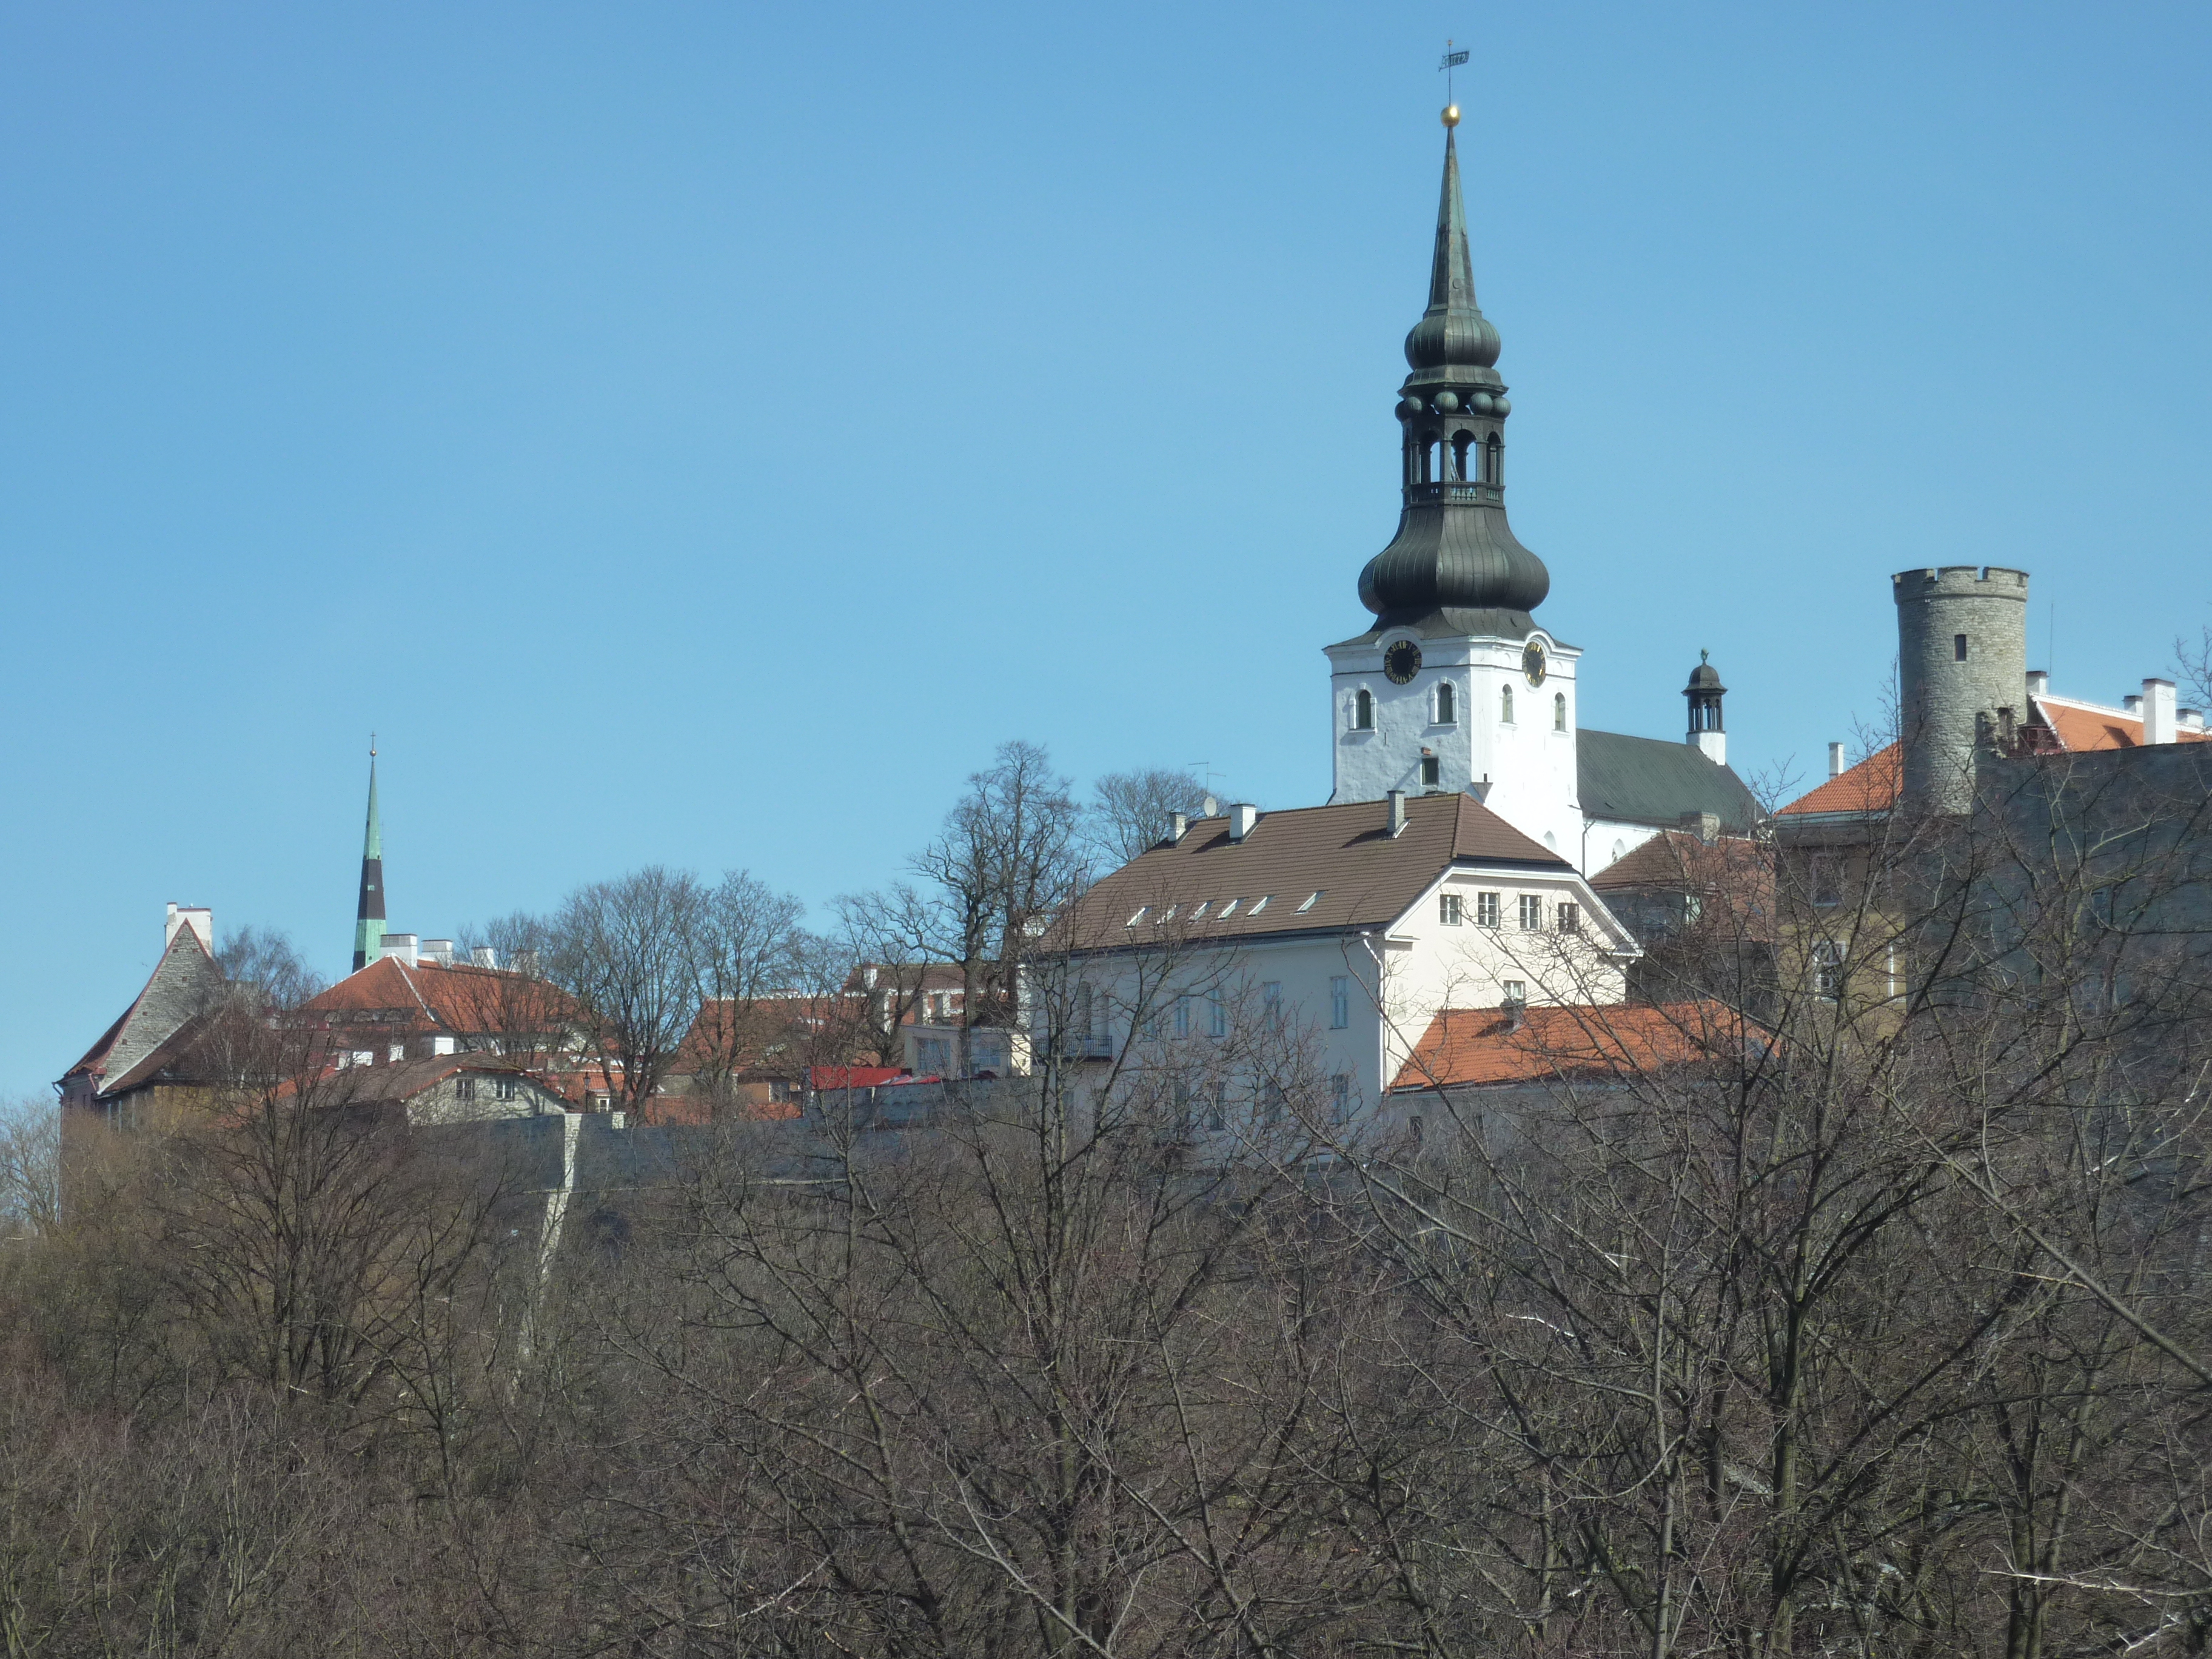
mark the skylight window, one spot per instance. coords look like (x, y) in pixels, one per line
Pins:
(1229, 909)
(1312, 899)
(1164, 917)
(1199, 914)
(1139, 917)
(1258, 905)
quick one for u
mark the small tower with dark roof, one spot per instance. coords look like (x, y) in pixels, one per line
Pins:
(1705, 692)
(1455, 686)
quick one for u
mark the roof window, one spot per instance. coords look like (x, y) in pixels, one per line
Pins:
(1139, 917)
(1312, 899)
(1199, 914)
(1258, 905)
(1165, 917)
(1228, 909)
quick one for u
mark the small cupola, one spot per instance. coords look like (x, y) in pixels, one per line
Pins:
(1705, 692)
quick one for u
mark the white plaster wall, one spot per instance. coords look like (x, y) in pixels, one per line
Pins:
(1400, 976)
(1523, 770)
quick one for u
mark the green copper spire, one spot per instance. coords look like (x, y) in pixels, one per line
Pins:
(368, 923)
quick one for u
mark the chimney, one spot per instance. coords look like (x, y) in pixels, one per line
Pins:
(1397, 813)
(2158, 711)
(403, 945)
(439, 951)
(2189, 719)
(1706, 826)
(1242, 816)
(1178, 825)
(1835, 760)
(2133, 703)
(483, 956)
(2039, 683)
(199, 918)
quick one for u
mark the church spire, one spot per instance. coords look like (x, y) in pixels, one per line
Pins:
(368, 923)
(1454, 566)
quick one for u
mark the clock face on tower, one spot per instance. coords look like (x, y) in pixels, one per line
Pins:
(1401, 662)
(1532, 662)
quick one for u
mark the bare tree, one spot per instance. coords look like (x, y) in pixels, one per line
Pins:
(30, 1167)
(1129, 811)
(626, 950)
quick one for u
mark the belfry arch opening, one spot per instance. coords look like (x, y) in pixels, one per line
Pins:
(1461, 445)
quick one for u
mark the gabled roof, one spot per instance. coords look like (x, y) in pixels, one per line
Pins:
(1362, 875)
(178, 988)
(1647, 780)
(1474, 1046)
(462, 998)
(1869, 787)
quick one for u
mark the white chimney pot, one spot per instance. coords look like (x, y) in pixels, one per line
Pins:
(2159, 722)
(1835, 760)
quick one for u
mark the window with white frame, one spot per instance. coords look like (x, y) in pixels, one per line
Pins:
(1486, 910)
(1827, 969)
(1339, 1002)
(1182, 1016)
(1447, 704)
(1531, 913)
(1216, 1015)
(1568, 918)
(1515, 991)
(1558, 711)
(1447, 909)
(1363, 710)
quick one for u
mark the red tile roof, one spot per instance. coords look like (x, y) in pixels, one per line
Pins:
(460, 999)
(2084, 728)
(1869, 787)
(1481, 1045)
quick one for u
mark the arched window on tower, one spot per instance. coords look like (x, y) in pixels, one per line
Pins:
(1447, 704)
(1505, 704)
(1558, 711)
(1363, 711)
(1461, 445)
(1493, 468)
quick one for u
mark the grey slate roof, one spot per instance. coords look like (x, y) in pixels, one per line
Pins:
(1651, 780)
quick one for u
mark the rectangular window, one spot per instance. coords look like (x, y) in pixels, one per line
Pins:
(1827, 969)
(1183, 1016)
(1486, 910)
(505, 1089)
(1570, 918)
(1447, 909)
(1515, 991)
(1312, 899)
(1271, 1102)
(1340, 1098)
(1258, 905)
(1216, 1015)
(1339, 1002)
(1828, 879)
(464, 1089)
(1957, 647)
(1531, 913)
(1271, 1001)
(1431, 771)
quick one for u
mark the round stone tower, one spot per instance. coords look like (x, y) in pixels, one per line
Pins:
(1962, 674)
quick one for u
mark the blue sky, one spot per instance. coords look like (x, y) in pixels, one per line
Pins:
(700, 433)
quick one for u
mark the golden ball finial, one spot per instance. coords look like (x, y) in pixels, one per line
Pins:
(1451, 115)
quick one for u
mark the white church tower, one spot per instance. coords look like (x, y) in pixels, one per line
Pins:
(1456, 688)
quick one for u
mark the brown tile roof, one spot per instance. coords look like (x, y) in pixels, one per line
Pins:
(1869, 787)
(1346, 854)
(1465, 1046)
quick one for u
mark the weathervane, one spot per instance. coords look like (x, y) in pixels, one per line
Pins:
(1452, 61)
